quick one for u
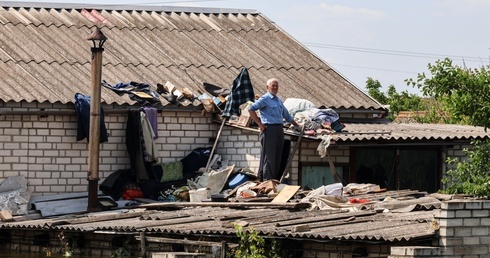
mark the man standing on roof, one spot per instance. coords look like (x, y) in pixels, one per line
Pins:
(272, 112)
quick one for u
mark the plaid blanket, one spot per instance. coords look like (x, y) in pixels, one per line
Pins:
(241, 92)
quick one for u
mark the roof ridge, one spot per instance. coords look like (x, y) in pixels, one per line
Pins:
(125, 7)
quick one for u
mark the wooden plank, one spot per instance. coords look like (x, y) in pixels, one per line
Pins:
(6, 216)
(215, 143)
(286, 193)
(291, 156)
(226, 204)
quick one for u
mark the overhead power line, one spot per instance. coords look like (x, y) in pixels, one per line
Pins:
(392, 52)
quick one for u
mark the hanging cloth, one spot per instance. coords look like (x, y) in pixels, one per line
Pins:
(151, 115)
(241, 92)
(139, 168)
(82, 108)
(148, 139)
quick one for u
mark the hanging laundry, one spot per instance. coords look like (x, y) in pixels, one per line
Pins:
(241, 92)
(148, 139)
(151, 114)
(139, 92)
(82, 107)
(139, 168)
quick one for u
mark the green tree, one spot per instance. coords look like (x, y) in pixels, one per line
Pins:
(374, 90)
(464, 93)
(471, 176)
(397, 101)
(464, 97)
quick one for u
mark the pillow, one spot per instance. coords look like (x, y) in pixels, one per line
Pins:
(172, 171)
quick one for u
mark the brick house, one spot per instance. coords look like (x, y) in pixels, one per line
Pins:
(42, 71)
(45, 61)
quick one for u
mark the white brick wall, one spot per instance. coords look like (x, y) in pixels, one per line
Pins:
(45, 150)
(464, 228)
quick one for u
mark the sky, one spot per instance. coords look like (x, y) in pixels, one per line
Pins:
(386, 40)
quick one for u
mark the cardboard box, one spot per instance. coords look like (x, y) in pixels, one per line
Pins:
(244, 121)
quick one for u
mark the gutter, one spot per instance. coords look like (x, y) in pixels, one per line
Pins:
(72, 112)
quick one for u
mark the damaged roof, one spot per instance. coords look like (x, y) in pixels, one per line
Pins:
(411, 219)
(45, 56)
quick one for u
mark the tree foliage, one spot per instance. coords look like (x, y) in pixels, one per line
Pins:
(452, 95)
(397, 101)
(252, 245)
(471, 176)
(464, 93)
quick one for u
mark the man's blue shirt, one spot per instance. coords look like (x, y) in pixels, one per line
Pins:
(271, 109)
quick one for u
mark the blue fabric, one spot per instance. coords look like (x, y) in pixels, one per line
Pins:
(82, 107)
(241, 92)
(328, 115)
(272, 110)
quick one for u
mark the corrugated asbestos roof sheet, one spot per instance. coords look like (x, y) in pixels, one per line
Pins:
(333, 224)
(45, 57)
(381, 133)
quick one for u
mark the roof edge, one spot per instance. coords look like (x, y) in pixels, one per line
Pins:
(124, 7)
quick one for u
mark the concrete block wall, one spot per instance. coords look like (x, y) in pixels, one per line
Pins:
(464, 227)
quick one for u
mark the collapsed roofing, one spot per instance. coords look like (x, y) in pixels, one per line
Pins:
(391, 216)
(45, 56)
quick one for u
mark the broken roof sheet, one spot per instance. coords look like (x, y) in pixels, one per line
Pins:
(325, 225)
(45, 57)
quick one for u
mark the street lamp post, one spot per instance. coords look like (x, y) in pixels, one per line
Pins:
(98, 39)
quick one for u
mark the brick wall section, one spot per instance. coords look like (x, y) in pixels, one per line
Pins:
(242, 148)
(463, 232)
(344, 250)
(414, 251)
(45, 150)
(457, 151)
(464, 228)
(81, 244)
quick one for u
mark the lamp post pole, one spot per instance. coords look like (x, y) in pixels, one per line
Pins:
(98, 40)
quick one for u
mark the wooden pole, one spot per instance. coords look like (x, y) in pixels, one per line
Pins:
(143, 244)
(291, 155)
(215, 142)
(94, 130)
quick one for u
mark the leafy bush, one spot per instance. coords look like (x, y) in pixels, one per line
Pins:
(251, 245)
(471, 176)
